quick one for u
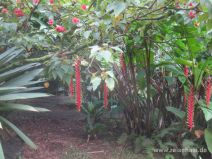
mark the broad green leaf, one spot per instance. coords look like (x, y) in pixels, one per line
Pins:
(208, 139)
(10, 89)
(17, 71)
(1, 152)
(116, 49)
(176, 112)
(21, 107)
(106, 55)
(197, 77)
(23, 79)
(19, 133)
(110, 83)
(7, 53)
(111, 74)
(87, 34)
(182, 79)
(119, 7)
(95, 82)
(22, 96)
(206, 110)
(184, 62)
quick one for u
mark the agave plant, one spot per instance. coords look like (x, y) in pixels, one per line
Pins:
(16, 80)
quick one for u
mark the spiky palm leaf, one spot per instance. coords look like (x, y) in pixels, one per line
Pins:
(16, 79)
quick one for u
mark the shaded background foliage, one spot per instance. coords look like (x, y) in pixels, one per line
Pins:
(157, 39)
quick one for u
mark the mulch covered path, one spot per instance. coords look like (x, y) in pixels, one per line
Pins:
(54, 132)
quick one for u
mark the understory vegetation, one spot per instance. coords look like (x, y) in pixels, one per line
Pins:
(144, 64)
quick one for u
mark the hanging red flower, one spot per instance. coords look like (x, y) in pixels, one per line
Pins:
(122, 63)
(186, 71)
(78, 84)
(105, 95)
(190, 109)
(208, 91)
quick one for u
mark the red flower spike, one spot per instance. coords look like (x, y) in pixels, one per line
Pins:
(186, 71)
(18, 12)
(105, 96)
(191, 14)
(190, 109)
(122, 63)
(71, 87)
(78, 84)
(4, 11)
(208, 91)
(75, 20)
(83, 7)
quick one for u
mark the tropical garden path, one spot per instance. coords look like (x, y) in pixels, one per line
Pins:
(55, 132)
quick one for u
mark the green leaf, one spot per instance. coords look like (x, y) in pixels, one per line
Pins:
(10, 89)
(206, 110)
(17, 71)
(208, 139)
(22, 96)
(198, 73)
(95, 82)
(87, 34)
(110, 83)
(106, 55)
(176, 112)
(23, 79)
(184, 62)
(19, 133)
(117, 6)
(182, 79)
(22, 107)
(111, 74)
(1, 152)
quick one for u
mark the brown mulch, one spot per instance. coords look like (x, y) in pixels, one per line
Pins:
(54, 132)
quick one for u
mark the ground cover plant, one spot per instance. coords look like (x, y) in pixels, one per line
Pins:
(147, 61)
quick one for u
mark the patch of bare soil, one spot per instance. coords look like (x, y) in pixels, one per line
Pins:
(55, 131)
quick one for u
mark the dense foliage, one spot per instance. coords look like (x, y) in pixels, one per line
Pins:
(150, 59)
